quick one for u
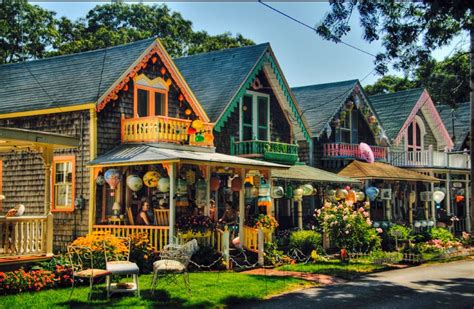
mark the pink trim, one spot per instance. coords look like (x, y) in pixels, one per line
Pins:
(342, 150)
(434, 114)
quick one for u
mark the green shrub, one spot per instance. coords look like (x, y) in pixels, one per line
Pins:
(382, 257)
(441, 233)
(402, 232)
(305, 241)
(207, 258)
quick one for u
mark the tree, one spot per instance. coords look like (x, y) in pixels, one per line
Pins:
(390, 83)
(26, 31)
(409, 31)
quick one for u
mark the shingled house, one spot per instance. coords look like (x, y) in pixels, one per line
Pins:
(420, 140)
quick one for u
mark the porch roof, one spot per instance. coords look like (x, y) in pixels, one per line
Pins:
(16, 139)
(140, 154)
(308, 173)
(378, 170)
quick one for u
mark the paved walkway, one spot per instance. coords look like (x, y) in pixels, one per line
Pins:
(318, 278)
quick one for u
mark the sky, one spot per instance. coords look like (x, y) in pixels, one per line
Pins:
(305, 57)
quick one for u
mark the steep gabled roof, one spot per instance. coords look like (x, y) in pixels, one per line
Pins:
(215, 77)
(397, 110)
(462, 114)
(394, 108)
(65, 80)
(319, 103)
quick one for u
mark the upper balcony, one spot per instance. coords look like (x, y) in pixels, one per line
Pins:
(351, 151)
(430, 158)
(166, 130)
(271, 151)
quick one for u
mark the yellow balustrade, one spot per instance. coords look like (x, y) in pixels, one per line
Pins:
(23, 236)
(158, 235)
(165, 129)
(250, 239)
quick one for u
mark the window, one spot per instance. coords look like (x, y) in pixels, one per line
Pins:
(151, 97)
(64, 175)
(346, 128)
(254, 116)
(415, 133)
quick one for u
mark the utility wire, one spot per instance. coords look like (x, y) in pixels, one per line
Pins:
(338, 40)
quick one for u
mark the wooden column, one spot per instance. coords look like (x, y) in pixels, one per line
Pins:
(92, 156)
(208, 190)
(300, 214)
(270, 183)
(172, 172)
(48, 155)
(433, 206)
(242, 207)
(468, 205)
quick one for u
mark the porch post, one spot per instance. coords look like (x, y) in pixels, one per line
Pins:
(48, 154)
(242, 208)
(448, 193)
(172, 172)
(468, 202)
(433, 206)
(300, 214)
(270, 183)
(208, 190)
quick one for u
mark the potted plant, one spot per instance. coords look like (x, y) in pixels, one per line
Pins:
(196, 225)
(267, 223)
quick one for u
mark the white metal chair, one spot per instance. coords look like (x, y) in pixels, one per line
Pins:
(174, 261)
(120, 265)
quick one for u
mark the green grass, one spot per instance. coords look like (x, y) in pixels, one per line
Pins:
(336, 268)
(209, 289)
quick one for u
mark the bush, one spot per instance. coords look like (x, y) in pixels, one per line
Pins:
(207, 258)
(274, 257)
(441, 233)
(305, 241)
(142, 253)
(382, 257)
(348, 228)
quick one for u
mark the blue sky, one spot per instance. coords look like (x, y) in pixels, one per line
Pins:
(304, 57)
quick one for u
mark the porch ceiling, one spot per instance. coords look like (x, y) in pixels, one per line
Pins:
(16, 139)
(308, 173)
(378, 170)
(128, 154)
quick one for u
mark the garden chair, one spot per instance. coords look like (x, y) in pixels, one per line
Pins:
(162, 217)
(81, 260)
(131, 220)
(174, 262)
(119, 264)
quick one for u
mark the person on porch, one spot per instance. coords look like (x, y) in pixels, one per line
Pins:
(229, 218)
(212, 210)
(142, 216)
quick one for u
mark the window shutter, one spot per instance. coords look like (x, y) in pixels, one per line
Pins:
(355, 126)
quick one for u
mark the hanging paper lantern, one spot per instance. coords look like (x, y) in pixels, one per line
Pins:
(181, 187)
(164, 184)
(187, 111)
(366, 153)
(163, 71)
(215, 183)
(154, 59)
(112, 177)
(150, 179)
(459, 198)
(199, 138)
(372, 193)
(360, 196)
(347, 188)
(236, 184)
(331, 195)
(307, 189)
(351, 196)
(289, 192)
(190, 177)
(191, 131)
(264, 190)
(197, 124)
(100, 180)
(248, 190)
(298, 194)
(180, 97)
(208, 137)
(134, 182)
(438, 196)
(277, 192)
(341, 194)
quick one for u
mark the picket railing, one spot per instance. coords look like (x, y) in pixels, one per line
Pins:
(165, 129)
(430, 158)
(158, 235)
(351, 151)
(24, 236)
(271, 151)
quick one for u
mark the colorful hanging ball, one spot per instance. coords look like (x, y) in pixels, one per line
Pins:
(154, 59)
(372, 193)
(134, 182)
(191, 130)
(372, 119)
(208, 137)
(180, 97)
(341, 194)
(150, 179)
(187, 111)
(360, 196)
(112, 177)
(351, 196)
(164, 184)
(236, 184)
(197, 124)
(307, 189)
(215, 183)
(199, 138)
(277, 192)
(100, 180)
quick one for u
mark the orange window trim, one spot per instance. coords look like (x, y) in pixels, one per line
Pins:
(151, 99)
(63, 159)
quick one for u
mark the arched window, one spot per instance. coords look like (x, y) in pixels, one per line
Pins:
(415, 134)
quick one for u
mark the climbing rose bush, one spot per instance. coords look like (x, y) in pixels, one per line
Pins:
(347, 227)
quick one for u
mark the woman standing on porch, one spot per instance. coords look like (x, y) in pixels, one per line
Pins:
(142, 216)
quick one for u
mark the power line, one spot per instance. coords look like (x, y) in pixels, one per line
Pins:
(314, 29)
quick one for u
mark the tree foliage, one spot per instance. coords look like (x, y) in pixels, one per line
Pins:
(447, 81)
(40, 34)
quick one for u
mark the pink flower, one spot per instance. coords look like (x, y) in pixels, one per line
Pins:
(366, 214)
(369, 222)
(361, 209)
(379, 230)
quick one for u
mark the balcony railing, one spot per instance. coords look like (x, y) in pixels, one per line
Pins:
(165, 129)
(270, 151)
(430, 158)
(351, 151)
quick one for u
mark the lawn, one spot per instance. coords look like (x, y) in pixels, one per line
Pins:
(209, 289)
(335, 268)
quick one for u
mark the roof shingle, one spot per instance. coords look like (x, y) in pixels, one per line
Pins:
(462, 116)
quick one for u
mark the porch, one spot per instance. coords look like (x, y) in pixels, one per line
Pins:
(351, 151)
(430, 158)
(278, 152)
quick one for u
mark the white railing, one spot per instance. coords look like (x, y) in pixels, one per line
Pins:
(25, 236)
(430, 158)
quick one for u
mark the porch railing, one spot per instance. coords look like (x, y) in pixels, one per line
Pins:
(25, 236)
(351, 151)
(271, 151)
(430, 158)
(165, 129)
(158, 235)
